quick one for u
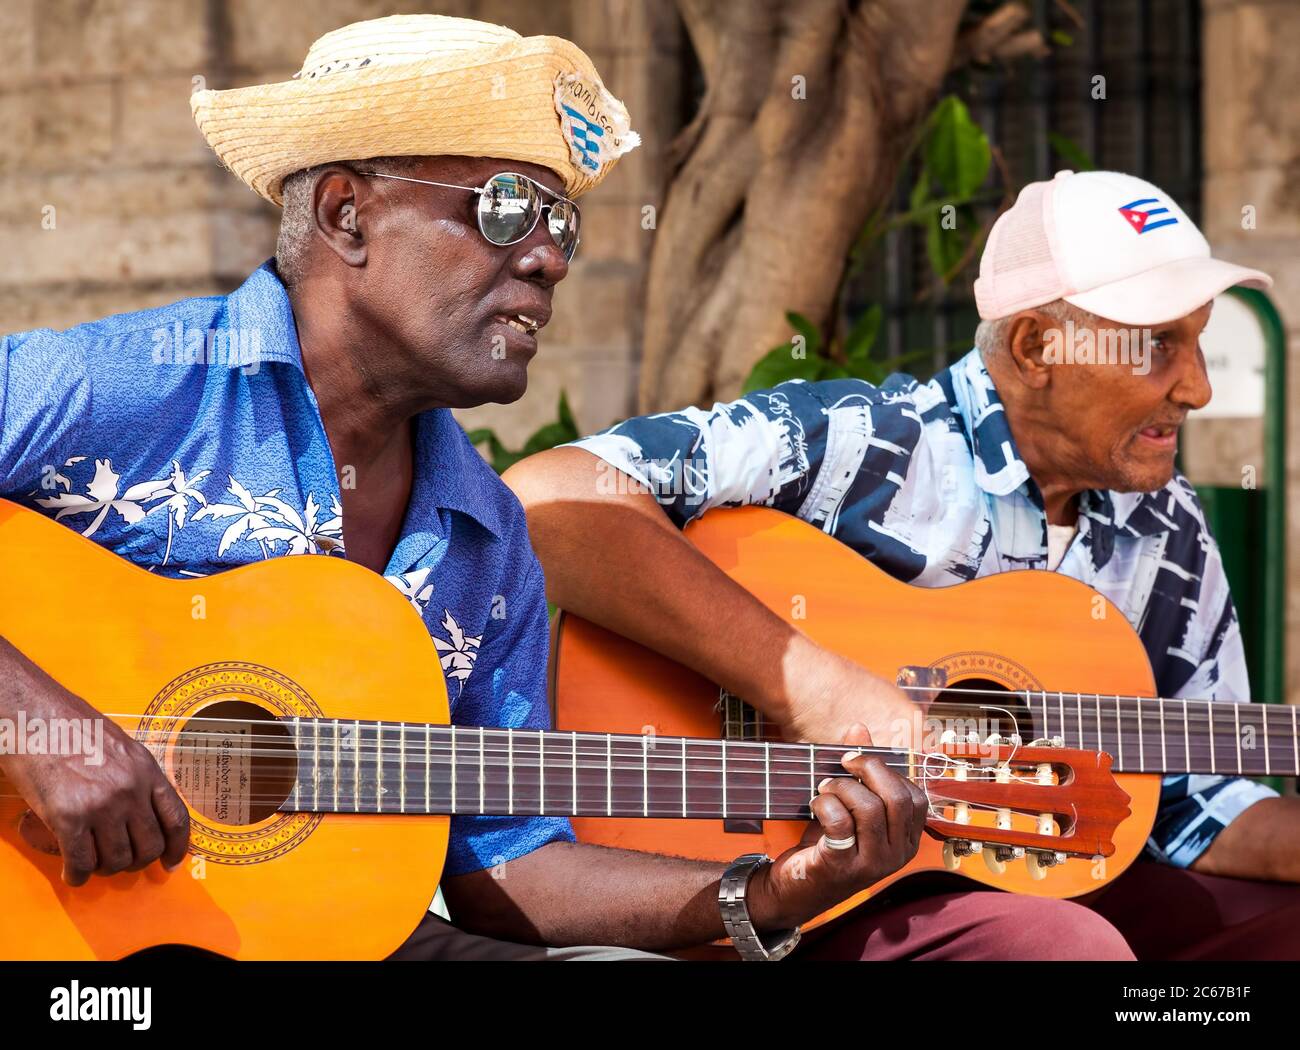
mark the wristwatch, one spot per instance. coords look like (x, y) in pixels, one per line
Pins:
(735, 915)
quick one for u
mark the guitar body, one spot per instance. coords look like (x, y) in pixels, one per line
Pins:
(292, 637)
(1014, 631)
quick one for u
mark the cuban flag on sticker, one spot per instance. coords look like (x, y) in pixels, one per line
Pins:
(1147, 214)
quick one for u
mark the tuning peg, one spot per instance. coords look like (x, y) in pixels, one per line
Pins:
(997, 857)
(955, 849)
(1038, 861)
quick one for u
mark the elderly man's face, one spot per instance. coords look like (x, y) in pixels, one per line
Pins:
(1120, 420)
(444, 291)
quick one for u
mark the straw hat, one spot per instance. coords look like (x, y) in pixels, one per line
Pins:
(423, 85)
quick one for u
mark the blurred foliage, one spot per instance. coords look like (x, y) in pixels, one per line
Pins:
(952, 157)
(555, 433)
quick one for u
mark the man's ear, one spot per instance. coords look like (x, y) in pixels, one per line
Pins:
(1027, 338)
(334, 209)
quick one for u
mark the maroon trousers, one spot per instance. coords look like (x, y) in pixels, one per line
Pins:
(1152, 911)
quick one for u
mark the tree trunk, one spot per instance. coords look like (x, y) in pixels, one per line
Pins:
(772, 189)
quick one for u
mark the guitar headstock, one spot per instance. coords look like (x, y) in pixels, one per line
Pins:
(1010, 801)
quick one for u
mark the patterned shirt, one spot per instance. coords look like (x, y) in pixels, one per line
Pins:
(925, 481)
(188, 440)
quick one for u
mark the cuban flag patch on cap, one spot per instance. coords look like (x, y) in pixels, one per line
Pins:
(1147, 214)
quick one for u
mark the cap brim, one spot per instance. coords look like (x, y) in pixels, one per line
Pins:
(1166, 292)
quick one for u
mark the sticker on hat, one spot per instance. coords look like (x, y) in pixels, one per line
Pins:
(594, 123)
(1144, 218)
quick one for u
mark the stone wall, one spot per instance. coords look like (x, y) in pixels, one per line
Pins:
(112, 201)
(1252, 157)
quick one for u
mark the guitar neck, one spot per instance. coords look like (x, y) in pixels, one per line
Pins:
(1153, 735)
(391, 767)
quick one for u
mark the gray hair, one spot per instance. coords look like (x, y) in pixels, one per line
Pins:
(991, 336)
(297, 223)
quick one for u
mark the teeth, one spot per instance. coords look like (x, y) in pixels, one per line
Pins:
(522, 323)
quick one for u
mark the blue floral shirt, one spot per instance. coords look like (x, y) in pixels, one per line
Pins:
(925, 481)
(187, 439)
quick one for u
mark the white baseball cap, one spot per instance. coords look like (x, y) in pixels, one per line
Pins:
(1108, 243)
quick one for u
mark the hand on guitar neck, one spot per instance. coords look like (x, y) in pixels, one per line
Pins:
(104, 813)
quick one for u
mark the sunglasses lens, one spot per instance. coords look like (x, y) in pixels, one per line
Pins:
(562, 221)
(507, 208)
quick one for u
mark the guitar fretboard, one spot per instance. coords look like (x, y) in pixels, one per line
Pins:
(1148, 735)
(398, 767)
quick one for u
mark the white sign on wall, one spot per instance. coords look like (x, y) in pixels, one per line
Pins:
(1234, 347)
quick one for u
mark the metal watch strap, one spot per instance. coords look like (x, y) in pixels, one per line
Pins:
(735, 914)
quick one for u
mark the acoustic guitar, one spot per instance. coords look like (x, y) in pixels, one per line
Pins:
(1010, 652)
(299, 706)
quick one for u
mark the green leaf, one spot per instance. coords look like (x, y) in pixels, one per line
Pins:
(862, 336)
(957, 151)
(1071, 152)
(812, 337)
(944, 247)
(1061, 38)
(779, 365)
(566, 417)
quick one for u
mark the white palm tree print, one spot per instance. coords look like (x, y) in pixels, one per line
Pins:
(304, 533)
(246, 512)
(413, 587)
(102, 496)
(180, 490)
(458, 651)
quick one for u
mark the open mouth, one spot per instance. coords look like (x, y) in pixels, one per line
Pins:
(520, 323)
(1163, 434)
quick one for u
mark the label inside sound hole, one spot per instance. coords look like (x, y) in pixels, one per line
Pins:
(214, 770)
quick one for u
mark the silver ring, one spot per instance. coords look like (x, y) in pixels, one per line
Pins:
(847, 843)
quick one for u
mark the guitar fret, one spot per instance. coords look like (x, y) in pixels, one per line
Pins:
(1142, 750)
(315, 767)
(356, 765)
(1119, 732)
(379, 767)
(1295, 741)
(1062, 703)
(1164, 758)
(1078, 702)
(510, 771)
(683, 776)
(1100, 745)
(401, 765)
(575, 773)
(645, 774)
(812, 774)
(453, 765)
(609, 775)
(724, 780)
(541, 770)
(482, 777)
(336, 764)
(767, 780)
(1209, 719)
(1187, 743)
(297, 746)
(1047, 733)
(1268, 761)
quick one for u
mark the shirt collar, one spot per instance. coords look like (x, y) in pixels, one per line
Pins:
(449, 472)
(259, 309)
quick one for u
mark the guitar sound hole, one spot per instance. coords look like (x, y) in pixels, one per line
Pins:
(980, 706)
(234, 762)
